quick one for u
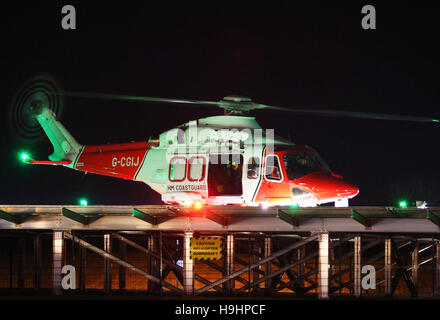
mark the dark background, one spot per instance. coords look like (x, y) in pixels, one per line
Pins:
(281, 53)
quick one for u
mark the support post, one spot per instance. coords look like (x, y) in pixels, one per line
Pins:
(107, 264)
(357, 266)
(256, 249)
(160, 263)
(188, 265)
(57, 252)
(153, 263)
(122, 274)
(21, 262)
(37, 262)
(301, 253)
(268, 265)
(11, 264)
(323, 266)
(229, 261)
(82, 268)
(332, 266)
(387, 267)
(415, 264)
(437, 268)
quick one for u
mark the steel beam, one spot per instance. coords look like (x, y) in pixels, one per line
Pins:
(21, 262)
(229, 259)
(152, 262)
(122, 218)
(388, 267)
(437, 268)
(188, 265)
(120, 262)
(288, 218)
(11, 263)
(217, 218)
(75, 216)
(122, 273)
(255, 265)
(435, 219)
(282, 269)
(301, 253)
(360, 218)
(14, 218)
(150, 218)
(169, 262)
(323, 288)
(357, 266)
(268, 266)
(415, 264)
(57, 264)
(402, 262)
(177, 272)
(37, 262)
(107, 264)
(256, 257)
(82, 268)
(332, 264)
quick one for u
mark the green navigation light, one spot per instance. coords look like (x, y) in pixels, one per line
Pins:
(24, 157)
(403, 204)
(83, 202)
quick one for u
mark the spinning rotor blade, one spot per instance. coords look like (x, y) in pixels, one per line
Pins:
(349, 114)
(240, 105)
(93, 95)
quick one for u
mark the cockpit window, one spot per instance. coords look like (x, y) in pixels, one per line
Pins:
(321, 161)
(299, 164)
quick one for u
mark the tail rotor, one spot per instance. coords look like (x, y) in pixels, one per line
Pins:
(37, 92)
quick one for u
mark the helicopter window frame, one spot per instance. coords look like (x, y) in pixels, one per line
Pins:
(311, 165)
(184, 171)
(279, 169)
(257, 162)
(203, 168)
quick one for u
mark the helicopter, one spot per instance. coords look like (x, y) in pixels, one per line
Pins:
(218, 160)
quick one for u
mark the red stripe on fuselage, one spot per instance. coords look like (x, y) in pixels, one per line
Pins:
(120, 160)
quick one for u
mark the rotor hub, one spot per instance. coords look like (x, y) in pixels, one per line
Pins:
(237, 98)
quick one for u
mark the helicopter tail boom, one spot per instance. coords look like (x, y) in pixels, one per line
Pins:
(66, 148)
(121, 160)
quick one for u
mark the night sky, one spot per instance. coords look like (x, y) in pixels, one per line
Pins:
(285, 54)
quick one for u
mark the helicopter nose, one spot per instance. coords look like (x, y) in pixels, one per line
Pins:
(327, 186)
(346, 189)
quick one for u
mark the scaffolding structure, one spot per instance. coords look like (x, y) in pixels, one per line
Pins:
(322, 252)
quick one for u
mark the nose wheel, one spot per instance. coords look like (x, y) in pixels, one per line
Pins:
(38, 92)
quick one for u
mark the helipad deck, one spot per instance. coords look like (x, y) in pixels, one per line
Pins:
(283, 250)
(222, 218)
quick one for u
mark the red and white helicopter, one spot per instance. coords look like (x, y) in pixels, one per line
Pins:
(218, 160)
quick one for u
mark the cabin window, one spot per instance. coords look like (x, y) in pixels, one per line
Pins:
(253, 167)
(196, 168)
(273, 169)
(177, 169)
(224, 175)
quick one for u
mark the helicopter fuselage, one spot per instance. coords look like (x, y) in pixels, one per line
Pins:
(207, 162)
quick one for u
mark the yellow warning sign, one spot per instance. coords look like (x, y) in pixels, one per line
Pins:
(206, 248)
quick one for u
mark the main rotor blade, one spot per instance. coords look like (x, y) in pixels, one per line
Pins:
(244, 107)
(348, 114)
(94, 95)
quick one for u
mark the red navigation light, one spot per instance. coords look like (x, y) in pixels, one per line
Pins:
(198, 205)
